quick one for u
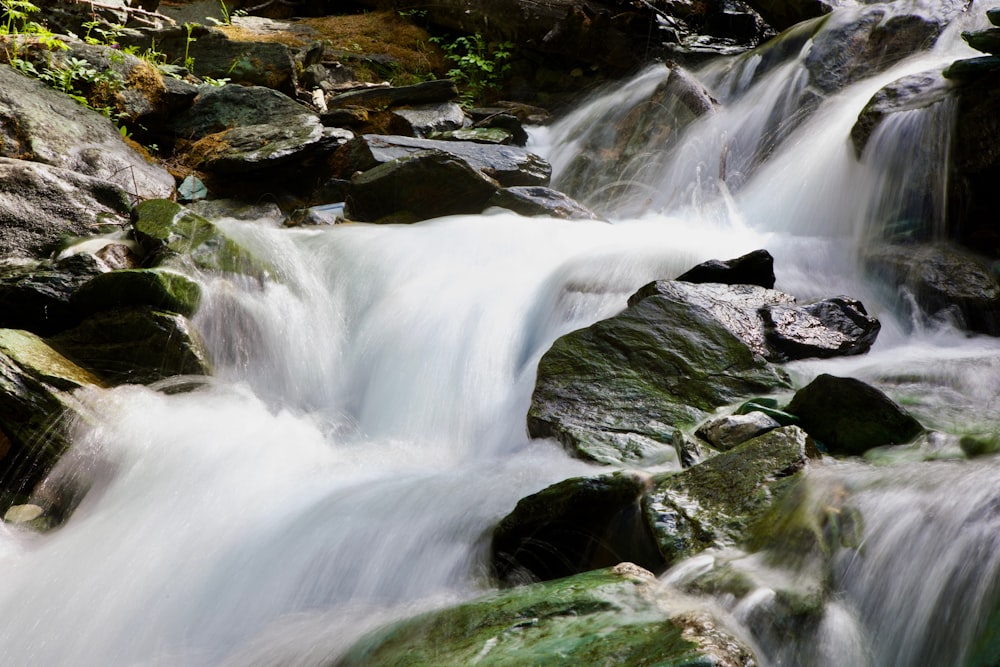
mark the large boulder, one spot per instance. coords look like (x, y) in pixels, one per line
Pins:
(613, 615)
(36, 384)
(508, 165)
(37, 296)
(577, 525)
(217, 109)
(718, 501)
(423, 185)
(41, 206)
(43, 125)
(850, 417)
(617, 390)
(158, 288)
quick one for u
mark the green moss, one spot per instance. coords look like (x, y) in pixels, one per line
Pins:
(159, 288)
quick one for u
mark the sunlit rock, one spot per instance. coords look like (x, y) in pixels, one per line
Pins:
(834, 327)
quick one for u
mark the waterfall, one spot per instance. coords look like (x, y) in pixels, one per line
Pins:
(365, 428)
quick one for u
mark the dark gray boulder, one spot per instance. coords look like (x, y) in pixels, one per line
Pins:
(507, 165)
(753, 268)
(162, 289)
(37, 296)
(728, 431)
(839, 326)
(217, 109)
(427, 92)
(850, 417)
(943, 281)
(917, 91)
(538, 200)
(419, 186)
(616, 391)
(577, 525)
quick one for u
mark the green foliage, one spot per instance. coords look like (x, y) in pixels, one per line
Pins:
(188, 41)
(480, 66)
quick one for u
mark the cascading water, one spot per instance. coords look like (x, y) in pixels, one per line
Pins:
(366, 426)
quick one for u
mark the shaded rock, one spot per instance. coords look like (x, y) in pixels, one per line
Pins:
(36, 296)
(214, 54)
(508, 165)
(217, 109)
(574, 526)
(427, 92)
(161, 289)
(973, 69)
(839, 326)
(135, 346)
(499, 119)
(987, 41)
(538, 200)
(170, 233)
(616, 390)
(689, 450)
(850, 417)
(237, 209)
(423, 185)
(945, 282)
(35, 400)
(782, 14)
(737, 307)
(917, 91)
(42, 205)
(615, 612)
(43, 125)
(716, 502)
(325, 214)
(754, 268)
(427, 119)
(731, 430)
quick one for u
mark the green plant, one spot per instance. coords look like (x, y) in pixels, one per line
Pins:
(18, 17)
(480, 66)
(218, 83)
(188, 41)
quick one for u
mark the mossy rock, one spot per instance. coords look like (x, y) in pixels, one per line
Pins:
(173, 234)
(162, 289)
(610, 617)
(135, 346)
(35, 386)
(717, 501)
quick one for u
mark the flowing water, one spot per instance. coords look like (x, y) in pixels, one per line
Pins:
(365, 428)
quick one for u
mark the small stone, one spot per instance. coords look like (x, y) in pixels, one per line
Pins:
(22, 513)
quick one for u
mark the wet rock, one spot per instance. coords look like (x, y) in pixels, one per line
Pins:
(615, 391)
(479, 135)
(213, 54)
(987, 41)
(35, 402)
(839, 326)
(615, 612)
(690, 450)
(161, 289)
(917, 91)
(43, 125)
(41, 205)
(945, 282)
(508, 165)
(718, 500)
(427, 119)
(574, 526)
(782, 14)
(538, 200)
(728, 431)
(737, 307)
(850, 417)
(754, 268)
(973, 69)
(499, 119)
(135, 346)
(422, 185)
(37, 295)
(170, 233)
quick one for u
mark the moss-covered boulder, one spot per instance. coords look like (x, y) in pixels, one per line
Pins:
(160, 288)
(608, 617)
(577, 525)
(172, 234)
(616, 391)
(717, 501)
(135, 345)
(35, 397)
(850, 417)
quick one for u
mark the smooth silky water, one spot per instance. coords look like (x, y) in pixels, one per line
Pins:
(366, 425)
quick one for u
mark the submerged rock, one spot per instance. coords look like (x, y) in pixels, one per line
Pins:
(614, 614)
(615, 391)
(850, 417)
(574, 526)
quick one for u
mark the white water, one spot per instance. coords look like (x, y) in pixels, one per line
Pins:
(366, 426)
